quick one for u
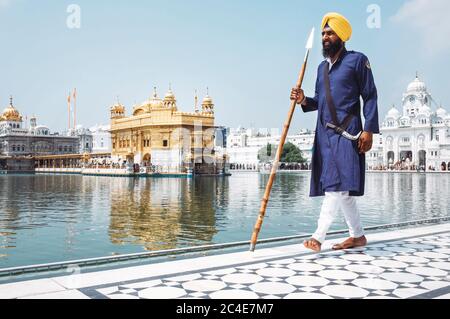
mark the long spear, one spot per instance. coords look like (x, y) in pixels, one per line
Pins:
(265, 200)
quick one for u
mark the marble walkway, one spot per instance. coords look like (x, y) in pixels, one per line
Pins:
(407, 263)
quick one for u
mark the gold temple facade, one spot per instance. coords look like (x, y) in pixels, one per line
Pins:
(159, 137)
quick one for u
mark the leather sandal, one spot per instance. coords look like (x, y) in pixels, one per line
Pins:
(351, 243)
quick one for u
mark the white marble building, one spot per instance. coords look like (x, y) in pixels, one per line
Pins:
(101, 139)
(243, 145)
(417, 136)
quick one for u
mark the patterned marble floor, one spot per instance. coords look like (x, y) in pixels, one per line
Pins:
(409, 268)
(408, 263)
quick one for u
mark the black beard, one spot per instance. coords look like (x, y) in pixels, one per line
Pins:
(332, 49)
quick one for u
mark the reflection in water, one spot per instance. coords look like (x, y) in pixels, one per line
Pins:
(163, 213)
(49, 218)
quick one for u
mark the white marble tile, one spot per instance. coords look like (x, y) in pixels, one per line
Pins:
(242, 278)
(143, 284)
(418, 246)
(233, 294)
(365, 269)
(220, 272)
(275, 272)
(399, 249)
(426, 271)
(378, 284)
(185, 278)
(379, 253)
(443, 251)
(408, 292)
(283, 262)
(429, 254)
(306, 267)
(345, 291)
(253, 266)
(337, 274)
(411, 259)
(272, 288)
(204, 285)
(432, 285)
(162, 293)
(307, 295)
(109, 290)
(66, 294)
(441, 265)
(401, 277)
(309, 281)
(357, 257)
(446, 296)
(333, 262)
(389, 264)
(29, 288)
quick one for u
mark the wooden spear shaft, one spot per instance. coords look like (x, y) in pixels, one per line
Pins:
(265, 200)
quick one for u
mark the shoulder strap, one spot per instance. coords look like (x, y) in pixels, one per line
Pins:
(330, 103)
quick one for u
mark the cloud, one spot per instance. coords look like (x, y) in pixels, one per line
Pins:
(429, 20)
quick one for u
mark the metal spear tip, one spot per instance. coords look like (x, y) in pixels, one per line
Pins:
(310, 42)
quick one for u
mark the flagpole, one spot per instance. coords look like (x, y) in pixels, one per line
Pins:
(68, 106)
(75, 108)
(266, 196)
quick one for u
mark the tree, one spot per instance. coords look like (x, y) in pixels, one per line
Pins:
(267, 153)
(291, 154)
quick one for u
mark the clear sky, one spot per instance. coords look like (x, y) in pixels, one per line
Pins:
(248, 52)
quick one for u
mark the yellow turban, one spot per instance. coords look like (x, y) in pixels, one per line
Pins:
(339, 24)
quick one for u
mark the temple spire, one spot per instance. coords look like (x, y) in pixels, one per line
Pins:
(196, 102)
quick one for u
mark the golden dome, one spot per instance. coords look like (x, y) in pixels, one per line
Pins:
(207, 100)
(11, 114)
(118, 108)
(169, 96)
(154, 102)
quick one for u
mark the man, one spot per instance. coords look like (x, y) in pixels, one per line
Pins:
(338, 162)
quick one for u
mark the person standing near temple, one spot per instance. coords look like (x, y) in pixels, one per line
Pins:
(338, 163)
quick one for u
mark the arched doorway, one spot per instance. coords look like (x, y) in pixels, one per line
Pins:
(443, 166)
(448, 166)
(422, 159)
(405, 154)
(390, 157)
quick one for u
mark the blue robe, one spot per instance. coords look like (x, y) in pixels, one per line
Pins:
(336, 162)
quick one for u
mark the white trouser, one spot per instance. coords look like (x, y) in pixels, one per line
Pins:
(330, 207)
